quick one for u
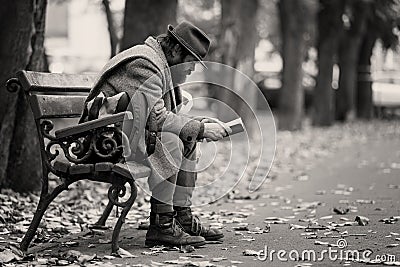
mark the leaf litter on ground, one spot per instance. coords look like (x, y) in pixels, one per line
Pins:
(72, 212)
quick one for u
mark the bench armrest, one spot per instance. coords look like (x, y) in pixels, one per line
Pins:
(94, 124)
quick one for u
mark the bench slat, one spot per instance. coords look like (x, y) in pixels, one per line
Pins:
(57, 106)
(103, 167)
(132, 170)
(90, 125)
(62, 166)
(81, 169)
(56, 82)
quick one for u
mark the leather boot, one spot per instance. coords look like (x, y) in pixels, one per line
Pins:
(164, 230)
(192, 225)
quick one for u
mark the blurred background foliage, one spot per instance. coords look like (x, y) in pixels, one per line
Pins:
(325, 60)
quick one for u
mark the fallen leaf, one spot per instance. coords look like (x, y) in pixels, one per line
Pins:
(256, 230)
(241, 228)
(63, 262)
(157, 248)
(70, 244)
(7, 256)
(186, 249)
(71, 255)
(214, 242)
(326, 217)
(42, 261)
(361, 220)
(365, 201)
(388, 220)
(179, 262)
(317, 242)
(357, 234)
(86, 258)
(148, 252)
(154, 263)
(275, 220)
(340, 210)
(125, 254)
(104, 241)
(302, 178)
(296, 226)
(218, 259)
(249, 252)
(108, 257)
(198, 256)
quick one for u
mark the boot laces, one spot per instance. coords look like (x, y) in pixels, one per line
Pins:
(195, 224)
(197, 227)
(176, 227)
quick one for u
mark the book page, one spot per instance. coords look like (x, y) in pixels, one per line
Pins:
(236, 126)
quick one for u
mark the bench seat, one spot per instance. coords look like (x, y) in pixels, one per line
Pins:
(129, 170)
(90, 125)
(132, 169)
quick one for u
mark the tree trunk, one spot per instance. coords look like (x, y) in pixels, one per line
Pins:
(293, 30)
(111, 28)
(146, 17)
(348, 57)
(237, 43)
(329, 21)
(22, 33)
(364, 83)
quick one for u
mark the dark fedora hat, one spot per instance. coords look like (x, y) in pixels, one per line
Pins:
(192, 38)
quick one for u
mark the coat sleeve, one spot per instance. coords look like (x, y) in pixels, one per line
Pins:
(141, 76)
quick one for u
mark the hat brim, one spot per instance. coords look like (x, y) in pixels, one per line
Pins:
(186, 45)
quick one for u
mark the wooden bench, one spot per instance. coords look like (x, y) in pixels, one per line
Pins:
(63, 153)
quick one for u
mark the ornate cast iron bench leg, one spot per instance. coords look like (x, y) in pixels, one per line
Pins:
(101, 223)
(121, 190)
(45, 200)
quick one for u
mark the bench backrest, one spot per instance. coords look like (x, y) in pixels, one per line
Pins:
(54, 95)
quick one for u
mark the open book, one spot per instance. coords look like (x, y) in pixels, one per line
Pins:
(236, 126)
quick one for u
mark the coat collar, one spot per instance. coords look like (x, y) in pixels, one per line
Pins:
(153, 43)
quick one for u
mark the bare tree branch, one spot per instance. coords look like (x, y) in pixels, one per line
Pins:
(111, 28)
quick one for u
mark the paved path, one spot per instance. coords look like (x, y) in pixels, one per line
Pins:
(352, 178)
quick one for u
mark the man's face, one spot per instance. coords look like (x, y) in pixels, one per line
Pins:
(186, 64)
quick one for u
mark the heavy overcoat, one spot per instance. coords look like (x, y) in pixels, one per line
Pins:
(142, 71)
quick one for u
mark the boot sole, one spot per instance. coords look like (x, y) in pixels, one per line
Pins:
(151, 243)
(214, 237)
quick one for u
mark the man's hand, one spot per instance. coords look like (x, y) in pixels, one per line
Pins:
(210, 120)
(206, 119)
(216, 131)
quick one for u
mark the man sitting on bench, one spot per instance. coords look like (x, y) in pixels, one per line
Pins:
(172, 181)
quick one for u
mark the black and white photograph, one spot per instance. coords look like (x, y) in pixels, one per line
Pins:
(200, 133)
